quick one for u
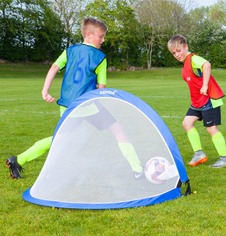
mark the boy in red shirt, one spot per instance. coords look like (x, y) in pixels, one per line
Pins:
(206, 98)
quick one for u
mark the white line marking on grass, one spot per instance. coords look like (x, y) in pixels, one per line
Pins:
(162, 97)
(56, 113)
(172, 117)
(12, 99)
(36, 112)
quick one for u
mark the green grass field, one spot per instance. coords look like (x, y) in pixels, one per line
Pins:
(25, 118)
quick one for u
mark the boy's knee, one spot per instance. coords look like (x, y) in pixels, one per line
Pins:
(184, 124)
(188, 123)
(212, 130)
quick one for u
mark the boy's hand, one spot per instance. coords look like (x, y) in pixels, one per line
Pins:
(203, 90)
(47, 97)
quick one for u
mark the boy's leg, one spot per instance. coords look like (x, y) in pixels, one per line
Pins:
(127, 149)
(194, 138)
(219, 143)
(15, 162)
(39, 148)
(130, 154)
(214, 115)
(199, 156)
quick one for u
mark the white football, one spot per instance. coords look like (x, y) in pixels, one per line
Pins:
(156, 170)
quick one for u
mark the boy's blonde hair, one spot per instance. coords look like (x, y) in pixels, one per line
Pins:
(90, 24)
(176, 41)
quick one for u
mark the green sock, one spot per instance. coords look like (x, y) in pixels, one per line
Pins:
(219, 143)
(194, 139)
(35, 151)
(130, 154)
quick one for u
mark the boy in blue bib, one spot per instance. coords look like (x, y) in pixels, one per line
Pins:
(85, 70)
(80, 77)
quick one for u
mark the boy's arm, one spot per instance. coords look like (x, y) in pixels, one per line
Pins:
(101, 72)
(100, 86)
(206, 67)
(59, 64)
(48, 81)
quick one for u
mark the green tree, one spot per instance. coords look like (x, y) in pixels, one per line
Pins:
(159, 20)
(208, 36)
(8, 29)
(68, 12)
(121, 43)
(48, 32)
(217, 13)
(128, 40)
(29, 30)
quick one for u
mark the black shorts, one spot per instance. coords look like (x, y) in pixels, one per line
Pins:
(103, 119)
(210, 117)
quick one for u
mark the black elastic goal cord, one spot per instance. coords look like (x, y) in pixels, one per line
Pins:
(188, 189)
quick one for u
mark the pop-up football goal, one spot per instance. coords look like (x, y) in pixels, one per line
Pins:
(110, 150)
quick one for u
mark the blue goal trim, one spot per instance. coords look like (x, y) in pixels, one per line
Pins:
(143, 107)
(171, 195)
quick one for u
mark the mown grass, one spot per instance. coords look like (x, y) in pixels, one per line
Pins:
(25, 118)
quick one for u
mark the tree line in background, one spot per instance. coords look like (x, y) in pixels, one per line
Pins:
(138, 31)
